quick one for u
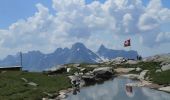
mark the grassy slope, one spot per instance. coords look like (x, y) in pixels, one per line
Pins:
(159, 77)
(13, 88)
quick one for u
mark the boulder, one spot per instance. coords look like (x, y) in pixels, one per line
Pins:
(75, 79)
(32, 84)
(165, 67)
(124, 70)
(93, 66)
(158, 70)
(82, 69)
(103, 72)
(68, 70)
(24, 79)
(62, 95)
(143, 74)
(138, 69)
(131, 62)
(166, 89)
(131, 76)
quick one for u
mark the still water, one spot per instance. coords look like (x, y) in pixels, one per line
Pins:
(116, 89)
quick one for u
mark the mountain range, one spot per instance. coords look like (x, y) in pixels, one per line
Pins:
(78, 53)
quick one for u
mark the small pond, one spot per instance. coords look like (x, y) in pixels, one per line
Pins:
(116, 89)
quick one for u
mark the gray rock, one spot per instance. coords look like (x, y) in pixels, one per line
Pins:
(131, 62)
(143, 74)
(77, 79)
(83, 69)
(158, 70)
(62, 95)
(24, 79)
(138, 69)
(32, 84)
(166, 89)
(165, 67)
(103, 72)
(93, 66)
(118, 60)
(68, 70)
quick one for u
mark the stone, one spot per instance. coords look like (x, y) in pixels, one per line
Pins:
(131, 76)
(143, 74)
(68, 70)
(158, 70)
(83, 69)
(103, 72)
(62, 95)
(93, 66)
(76, 79)
(48, 94)
(32, 84)
(24, 79)
(124, 70)
(73, 78)
(131, 62)
(45, 99)
(165, 67)
(118, 60)
(166, 89)
(138, 69)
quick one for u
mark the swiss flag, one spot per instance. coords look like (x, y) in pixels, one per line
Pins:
(127, 43)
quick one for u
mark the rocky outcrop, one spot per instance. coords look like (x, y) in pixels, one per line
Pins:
(131, 62)
(165, 67)
(143, 74)
(166, 89)
(103, 72)
(123, 70)
(138, 69)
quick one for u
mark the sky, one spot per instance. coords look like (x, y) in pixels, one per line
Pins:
(45, 25)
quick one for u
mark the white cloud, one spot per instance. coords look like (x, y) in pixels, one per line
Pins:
(75, 20)
(163, 37)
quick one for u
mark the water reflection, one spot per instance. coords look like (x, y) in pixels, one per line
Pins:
(117, 90)
(129, 91)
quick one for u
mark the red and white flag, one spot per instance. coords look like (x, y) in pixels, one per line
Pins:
(127, 43)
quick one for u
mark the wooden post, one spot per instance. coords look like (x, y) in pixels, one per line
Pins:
(21, 59)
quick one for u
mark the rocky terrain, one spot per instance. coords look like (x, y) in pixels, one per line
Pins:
(152, 72)
(56, 82)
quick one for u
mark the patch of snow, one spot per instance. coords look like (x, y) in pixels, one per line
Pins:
(97, 60)
(104, 59)
(78, 49)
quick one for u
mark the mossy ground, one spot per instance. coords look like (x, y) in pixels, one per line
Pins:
(162, 78)
(13, 88)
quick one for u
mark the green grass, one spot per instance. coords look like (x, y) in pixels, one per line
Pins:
(162, 78)
(13, 88)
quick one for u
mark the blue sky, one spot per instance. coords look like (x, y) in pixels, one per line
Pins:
(48, 24)
(13, 10)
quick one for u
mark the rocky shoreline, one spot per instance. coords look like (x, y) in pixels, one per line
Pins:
(81, 75)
